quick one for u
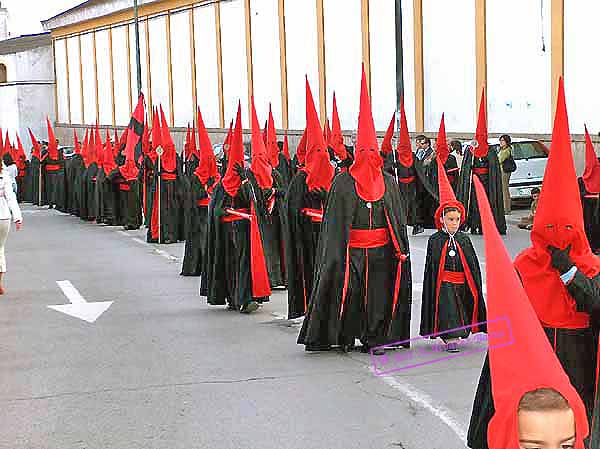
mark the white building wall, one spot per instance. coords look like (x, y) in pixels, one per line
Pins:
(181, 54)
(121, 79)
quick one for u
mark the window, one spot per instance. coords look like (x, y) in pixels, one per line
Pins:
(3, 73)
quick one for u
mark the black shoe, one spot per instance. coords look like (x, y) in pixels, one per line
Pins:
(317, 348)
(249, 307)
(418, 229)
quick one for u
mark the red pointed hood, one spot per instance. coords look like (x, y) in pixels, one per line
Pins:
(336, 139)
(260, 163)
(326, 131)
(366, 169)
(559, 227)
(129, 170)
(92, 148)
(168, 160)
(442, 149)
(20, 156)
(386, 144)
(404, 149)
(99, 147)
(272, 147)
(264, 132)
(526, 361)
(318, 166)
(447, 198)
(481, 134)
(1, 141)
(76, 143)
(7, 145)
(35, 152)
(227, 141)
(52, 144)
(286, 148)
(109, 157)
(145, 138)
(231, 181)
(156, 130)
(591, 175)
(207, 165)
(301, 149)
(85, 152)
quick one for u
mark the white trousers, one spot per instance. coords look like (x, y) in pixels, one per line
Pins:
(4, 228)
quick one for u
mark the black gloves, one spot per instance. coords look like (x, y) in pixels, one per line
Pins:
(241, 171)
(345, 163)
(561, 259)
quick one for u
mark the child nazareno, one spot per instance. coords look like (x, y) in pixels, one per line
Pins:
(536, 406)
(452, 300)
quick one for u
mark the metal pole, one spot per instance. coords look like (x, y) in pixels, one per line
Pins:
(137, 48)
(159, 208)
(399, 60)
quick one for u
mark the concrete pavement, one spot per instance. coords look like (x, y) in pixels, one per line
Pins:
(161, 369)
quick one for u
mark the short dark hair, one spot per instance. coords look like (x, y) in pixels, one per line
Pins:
(535, 191)
(506, 138)
(7, 159)
(450, 209)
(423, 138)
(456, 146)
(543, 400)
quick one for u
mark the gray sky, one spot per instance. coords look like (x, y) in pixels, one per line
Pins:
(25, 15)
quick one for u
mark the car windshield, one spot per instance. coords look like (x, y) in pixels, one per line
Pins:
(526, 150)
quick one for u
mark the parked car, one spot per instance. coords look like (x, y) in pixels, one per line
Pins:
(531, 157)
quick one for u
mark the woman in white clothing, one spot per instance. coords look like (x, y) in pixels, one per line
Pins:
(8, 208)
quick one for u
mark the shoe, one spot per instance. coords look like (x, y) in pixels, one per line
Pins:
(452, 347)
(249, 307)
(231, 306)
(317, 348)
(418, 229)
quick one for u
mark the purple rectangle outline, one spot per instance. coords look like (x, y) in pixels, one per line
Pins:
(449, 357)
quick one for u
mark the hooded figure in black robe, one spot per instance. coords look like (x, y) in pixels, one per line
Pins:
(561, 278)
(201, 182)
(107, 190)
(362, 286)
(484, 164)
(452, 294)
(303, 213)
(235, 271)
(165, 216)
(284, 166)
(54, 167)
(589, 188)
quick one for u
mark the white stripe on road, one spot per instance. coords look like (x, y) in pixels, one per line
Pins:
(71, 292)
(427, 402)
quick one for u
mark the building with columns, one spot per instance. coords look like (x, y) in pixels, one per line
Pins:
(438, 54)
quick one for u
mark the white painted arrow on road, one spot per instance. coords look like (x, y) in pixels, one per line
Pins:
(79, 307)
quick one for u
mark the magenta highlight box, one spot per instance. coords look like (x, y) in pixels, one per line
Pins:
(402, 359)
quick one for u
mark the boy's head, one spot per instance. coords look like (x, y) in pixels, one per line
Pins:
(535, 193)
(546, 421)
(451, 220)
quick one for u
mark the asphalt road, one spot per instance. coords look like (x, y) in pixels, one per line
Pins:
(161, 369)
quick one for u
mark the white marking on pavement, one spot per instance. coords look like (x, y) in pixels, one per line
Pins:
(165, 254)
(79, 307)
(140, 241)
(427, 402)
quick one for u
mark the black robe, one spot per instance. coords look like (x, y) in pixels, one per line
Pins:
(190, 165)
(455, 303)
(492, 181)
(74, 168)
(272, 228)
(301, 236)
(591, 216)
(55, 182)
(22, 182)
(367, 307)
(147, 182)
(90, 208)
(284, 168)
(226, 276)
(426, 190)
(107, 200)
(170, 205)
(196, 225)
(576, 350)
(129, 196)
(407, 182)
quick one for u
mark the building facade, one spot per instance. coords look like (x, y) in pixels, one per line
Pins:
(212, 53)
(26, 85)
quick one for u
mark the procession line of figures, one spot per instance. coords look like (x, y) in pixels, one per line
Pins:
(331, 226)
